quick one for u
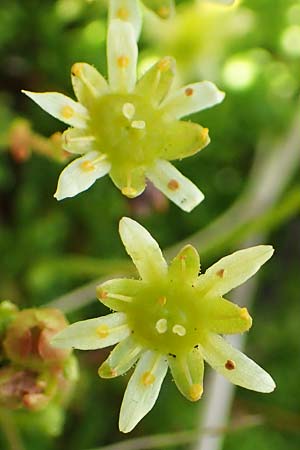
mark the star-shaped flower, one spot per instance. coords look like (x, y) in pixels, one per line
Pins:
(173, 317)
(127, 129)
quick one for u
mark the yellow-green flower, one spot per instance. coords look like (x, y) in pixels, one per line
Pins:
(130, 129)
(171, 316)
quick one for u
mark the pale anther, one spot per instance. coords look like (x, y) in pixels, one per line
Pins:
(102, 331)
(147, 378)
(128, 110)
(67, 112)
(139, 124)
(244, 314)
(161, 326)
(179, 330)
(123, 61)
(196, 391)
(87, 166)
(122, 13)
(129, 191)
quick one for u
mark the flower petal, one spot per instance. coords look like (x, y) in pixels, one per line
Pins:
(233, 270)
(143, 249)
(186, 265)
(183, 139)
(61, 107)
(128, 11)
(88, 83)
(235, 366)
(121, 56)
(157, 81)
(174, 185)
(224, 2)
(92, 334)
(75, 140)
(117, 294)
(163, 8)
(142, 390)
(192, 98)
(124, 355)
(80, 174)
(224, 317)
(131, 181)
(187, 372)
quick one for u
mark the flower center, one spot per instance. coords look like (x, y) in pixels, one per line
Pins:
(127, 129)
(167, 317)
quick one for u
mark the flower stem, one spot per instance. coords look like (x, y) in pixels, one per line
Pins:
(10, 431)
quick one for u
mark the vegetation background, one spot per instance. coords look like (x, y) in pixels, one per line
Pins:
(252, 51)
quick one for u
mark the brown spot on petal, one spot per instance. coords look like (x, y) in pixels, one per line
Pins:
(230, 364)
(221, 273)
(189, 92)
(173, 185)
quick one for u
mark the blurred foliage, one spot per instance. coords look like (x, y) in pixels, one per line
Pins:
(252, 51)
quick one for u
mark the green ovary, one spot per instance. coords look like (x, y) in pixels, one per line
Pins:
(130, 139)
(167, 317)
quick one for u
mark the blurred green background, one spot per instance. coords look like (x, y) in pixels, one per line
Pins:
(252, 51)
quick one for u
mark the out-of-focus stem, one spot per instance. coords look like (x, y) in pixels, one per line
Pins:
(10, 431)
(267, 182)
(180, 438)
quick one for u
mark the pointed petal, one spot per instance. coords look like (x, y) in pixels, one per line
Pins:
(142, 390)
(121, 359)
(80, 174)
(121, 56)
(157, 81)
(192, 98)
(163, 8)
(128, 11)
(131, 181)
(235, 366)
(92, 334)
(174, 185)
(88, 83)
(117, 294)
(233, 270)
(186, 265)
(224, 317)
(61, 107)
(187, 372)
(77, 141)
(183, 139)
(143, 249)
